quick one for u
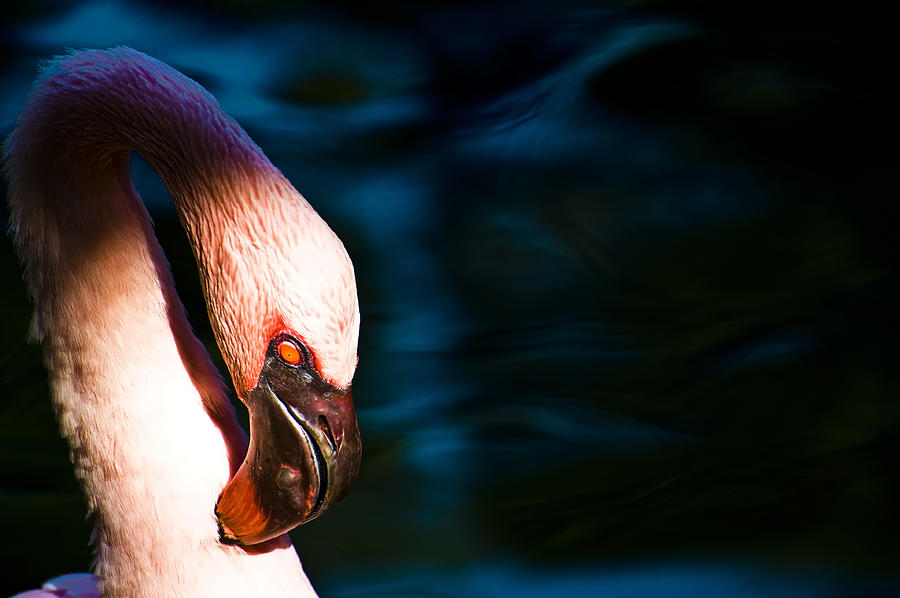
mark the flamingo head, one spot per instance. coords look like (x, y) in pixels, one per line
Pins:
(283, 304)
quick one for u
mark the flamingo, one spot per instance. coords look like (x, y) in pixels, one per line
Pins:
(184, 503)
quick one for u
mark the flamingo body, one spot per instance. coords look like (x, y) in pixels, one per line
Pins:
(152, 434)
(73, 585)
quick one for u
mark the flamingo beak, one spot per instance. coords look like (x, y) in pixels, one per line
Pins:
(303, 457)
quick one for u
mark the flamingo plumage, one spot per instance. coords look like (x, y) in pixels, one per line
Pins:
(182, 507)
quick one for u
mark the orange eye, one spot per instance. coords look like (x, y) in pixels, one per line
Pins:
(290, 352)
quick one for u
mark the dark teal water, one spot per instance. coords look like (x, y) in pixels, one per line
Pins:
(628, 284)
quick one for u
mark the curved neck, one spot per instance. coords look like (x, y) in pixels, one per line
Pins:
(87, 110)
(152, 433)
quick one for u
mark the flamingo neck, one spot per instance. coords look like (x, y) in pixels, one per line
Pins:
(152, 434)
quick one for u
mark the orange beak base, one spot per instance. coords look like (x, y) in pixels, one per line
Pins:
(304, 453)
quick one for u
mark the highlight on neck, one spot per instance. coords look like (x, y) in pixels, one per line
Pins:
(89, 109)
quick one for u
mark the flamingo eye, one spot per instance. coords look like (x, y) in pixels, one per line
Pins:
(290, 352)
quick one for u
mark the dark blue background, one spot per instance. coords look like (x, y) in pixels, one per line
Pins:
(628, 284)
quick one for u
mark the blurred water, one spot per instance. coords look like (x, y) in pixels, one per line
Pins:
(681, 580)
(627, 322)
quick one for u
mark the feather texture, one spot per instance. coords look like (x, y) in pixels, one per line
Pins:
(152, 434)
